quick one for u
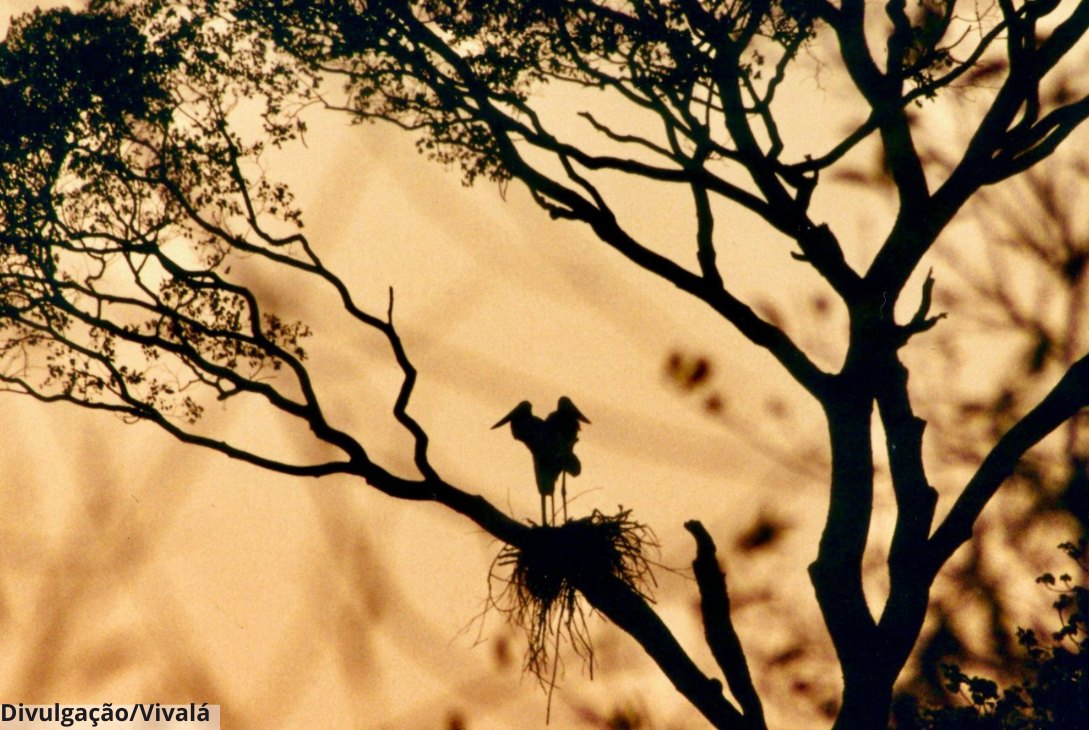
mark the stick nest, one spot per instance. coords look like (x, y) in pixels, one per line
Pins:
(539, 594)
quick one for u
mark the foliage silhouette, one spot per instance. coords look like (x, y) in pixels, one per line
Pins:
(1053, 694)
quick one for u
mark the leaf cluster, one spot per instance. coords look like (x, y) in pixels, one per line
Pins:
(65, 76)
(1054, 693)
(438, 67)
(124, 200)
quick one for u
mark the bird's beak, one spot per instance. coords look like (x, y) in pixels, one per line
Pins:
(505, 419)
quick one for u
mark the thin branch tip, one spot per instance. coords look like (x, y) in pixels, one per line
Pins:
(921, 321)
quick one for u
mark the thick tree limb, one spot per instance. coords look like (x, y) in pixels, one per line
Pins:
(628, 610)
(849, 24)
(836, 574)
(719, 629)
(905, 608)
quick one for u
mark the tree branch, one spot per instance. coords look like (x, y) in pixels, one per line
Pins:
(1038, 141)
(1069, 396)
(400, 407)
(719, 629)
(836, 574)
(905, 608)
(604, 224)
(705, 241)
(628, 610)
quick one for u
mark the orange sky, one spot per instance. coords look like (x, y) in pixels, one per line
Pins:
(137, 569)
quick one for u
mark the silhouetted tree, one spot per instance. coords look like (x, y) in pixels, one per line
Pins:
(132, 210)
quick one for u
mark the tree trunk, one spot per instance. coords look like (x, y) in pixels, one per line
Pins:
(867, 698)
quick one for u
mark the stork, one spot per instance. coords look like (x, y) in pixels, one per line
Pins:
(551, 441)
(563, 425)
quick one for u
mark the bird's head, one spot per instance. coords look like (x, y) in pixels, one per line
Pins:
(521, 412)
(569, 409)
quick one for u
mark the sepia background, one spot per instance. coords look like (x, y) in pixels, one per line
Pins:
(137, 569)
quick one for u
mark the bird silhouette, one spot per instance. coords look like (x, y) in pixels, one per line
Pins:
(563, 426)
(551, 441)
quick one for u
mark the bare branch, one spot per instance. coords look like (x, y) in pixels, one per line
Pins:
(921, 322)
(400, 408)
(836, 574)
(1069, 396)
(705, 229)
(719, 629)
(1033, 144)
(905, 608)
(628, 610)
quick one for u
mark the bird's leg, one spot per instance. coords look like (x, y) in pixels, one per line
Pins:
(544, 513)
(563, 494)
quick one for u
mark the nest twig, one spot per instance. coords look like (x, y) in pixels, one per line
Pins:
(539, 594)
